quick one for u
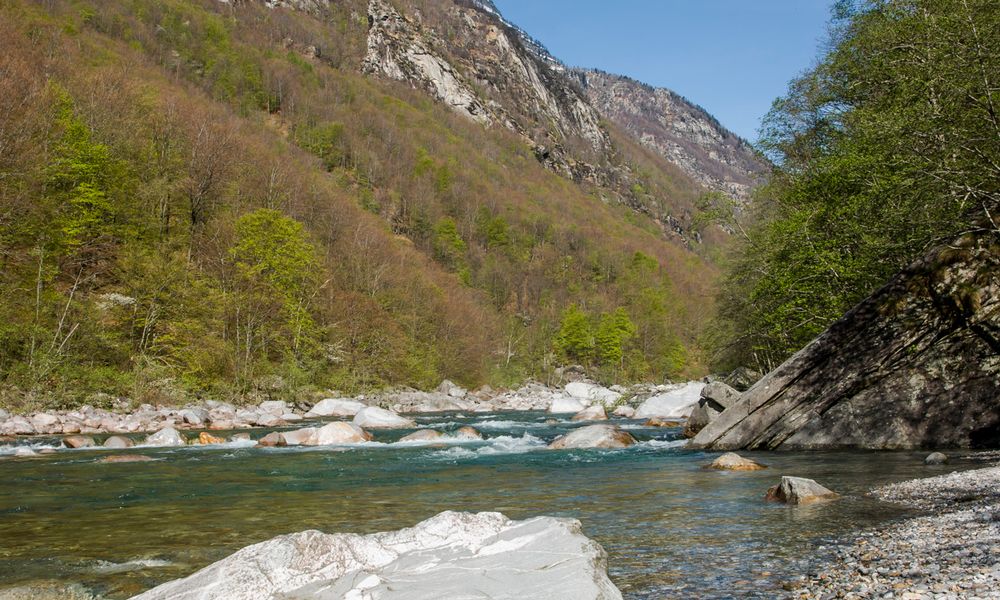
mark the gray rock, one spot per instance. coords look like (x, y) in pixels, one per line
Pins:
(422, 435)
(372, 417)
(913, 365)
(936, 458)
(450, 389)
(799, 490)
(274, 407)
(594, 436)
(719, 396)
(194, 416)
(452, 555)
(700, 417)
(78, 441)
(335, 407)
(168, 436)
(18, 425)
(118, 441)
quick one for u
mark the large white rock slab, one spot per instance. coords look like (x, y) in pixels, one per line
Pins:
(483, 556)
(339, 432)
(373, 417)
(675, 404)
(564, 404)
(335, 407)
(591, 392)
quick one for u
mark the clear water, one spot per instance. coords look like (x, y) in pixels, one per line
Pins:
(670, 527)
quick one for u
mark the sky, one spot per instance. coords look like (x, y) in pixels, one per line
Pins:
(732, 57)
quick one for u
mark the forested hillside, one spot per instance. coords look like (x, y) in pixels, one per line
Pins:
(200, 197)
(888, 147)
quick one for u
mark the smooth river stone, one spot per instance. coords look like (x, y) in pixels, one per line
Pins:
(451, 555)
(594, 436)
(373, 417)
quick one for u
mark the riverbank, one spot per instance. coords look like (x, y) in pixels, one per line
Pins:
(953, 552)
(123, 418)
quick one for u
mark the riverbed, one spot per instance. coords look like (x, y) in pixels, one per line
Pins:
(670, 527)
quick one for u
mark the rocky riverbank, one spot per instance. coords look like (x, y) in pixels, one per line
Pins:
(665, 401)
(951, 553)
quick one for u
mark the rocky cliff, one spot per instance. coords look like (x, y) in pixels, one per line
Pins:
(680, 131)
(917, 364)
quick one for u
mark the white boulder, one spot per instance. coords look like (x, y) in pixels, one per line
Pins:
(451, 555)
(274, 407)
(340, 432)
(674, 404)
(335, 407)
(591, 413)
(591, 392)
(624, 411)
(300, 437)
(374, 417)
(564, 404)
(594, 436)
(168, 436)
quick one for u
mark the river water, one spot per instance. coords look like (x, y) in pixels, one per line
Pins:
(671, 528)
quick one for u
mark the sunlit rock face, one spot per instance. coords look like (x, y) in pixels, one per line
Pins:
(451, 555)
(916, 364)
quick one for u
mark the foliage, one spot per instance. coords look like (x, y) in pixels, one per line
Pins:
(891, 144)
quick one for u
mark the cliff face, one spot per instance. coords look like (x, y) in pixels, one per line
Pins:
(917, 364)
(678, 130)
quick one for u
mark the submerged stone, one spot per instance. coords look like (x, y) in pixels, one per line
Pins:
(936, 458)
(422, 435)
(78, 441)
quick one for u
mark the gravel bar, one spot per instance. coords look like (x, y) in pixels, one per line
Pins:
(954, 552)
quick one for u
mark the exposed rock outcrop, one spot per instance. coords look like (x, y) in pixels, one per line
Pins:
(916, 364)
(452, 555)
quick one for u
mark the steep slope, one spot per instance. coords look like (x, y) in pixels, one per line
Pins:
(199, 197)
(916, 364)
(678, 130)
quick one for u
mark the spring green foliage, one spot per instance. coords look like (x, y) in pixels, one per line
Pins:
(890, 145)
(190, 206)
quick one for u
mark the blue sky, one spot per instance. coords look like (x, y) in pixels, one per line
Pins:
(733, 57)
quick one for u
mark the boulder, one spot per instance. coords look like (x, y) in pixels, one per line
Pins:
(676, 403)
(913, 365)
(207, 438)
(118, 441)
(168, 436)
(799, 490)
(373, 417)
(730, 461)
(266, 419)
(564, 404)
(125, 458)
(273, 407)
(467, 433)
(335, 407)
(742, 378)
(196, 417)
(272, 439)
(591, 392)
(718, 396)
(78, 441)
(241, 437)
(291, 418)
(591, 413)
(450, 389)
(451, 555)
(46, 423)
(300, 437)
(658, 422)
(594, 436)
(423, 435)
(700, 417)
(936, 458)
(18, 425)
(340, 432)
(624, 410)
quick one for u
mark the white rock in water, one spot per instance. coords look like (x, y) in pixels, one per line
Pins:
(562, 404)
(591, 413)
(452, 555)
(624, 411)
(374, 417)
(594, 436)
(340, 432)
(591, 392)
(300, 437)
(168, 436)
(675, 404)
(335, 407)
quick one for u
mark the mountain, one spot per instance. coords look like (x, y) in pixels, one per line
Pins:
(262, 198)
(682, 132)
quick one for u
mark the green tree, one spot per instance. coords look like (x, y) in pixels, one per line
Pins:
(614, 331)
(449, 247)
(575, 339)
